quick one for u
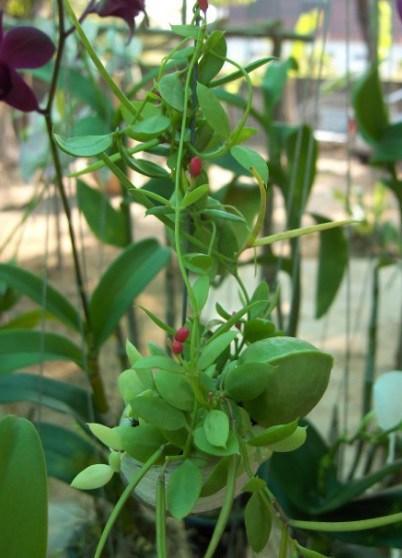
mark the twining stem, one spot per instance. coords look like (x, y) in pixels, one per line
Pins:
(262, 210)
(95, 59)
(347, 526)
(225, 510)
(161, 545)
(283, 549)
(124, 497)
(178, 177)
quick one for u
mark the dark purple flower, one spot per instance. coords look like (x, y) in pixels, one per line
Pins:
(22, 47)
(125, 9)
(399, 7)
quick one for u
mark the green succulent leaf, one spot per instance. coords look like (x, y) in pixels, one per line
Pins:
(85, 146)
(142, 441)
(213, 349)
(258, 520)
(172, 91)
(213, 111)
(214, 58)
(273, 434)
(250, 159)
(200, 440)
(246, 382)
(158, 412)
(183, 489)
(217, 428)
(174, 389)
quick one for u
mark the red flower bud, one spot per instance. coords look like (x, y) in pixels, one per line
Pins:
(195, 167)
(177, 347)
(203, 4)
(182, 334)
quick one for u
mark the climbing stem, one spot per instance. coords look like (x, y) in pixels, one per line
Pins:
(179, 176)
(347, 526)
(124, 497)
(225, 510)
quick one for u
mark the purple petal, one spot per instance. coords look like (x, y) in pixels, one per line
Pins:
(1, 25)
(26, 47)
(399, 7)
(20, 95)
(125, 9)
(5, 81)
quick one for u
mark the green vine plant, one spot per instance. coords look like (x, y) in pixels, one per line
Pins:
(201, 418)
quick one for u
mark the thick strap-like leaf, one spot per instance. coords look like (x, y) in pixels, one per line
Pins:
(21, 348)
(126, 277)
(66, 453)
(43, 294)
(23, 491)
(54, 394)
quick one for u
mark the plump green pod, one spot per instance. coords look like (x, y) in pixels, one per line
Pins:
(297, 377)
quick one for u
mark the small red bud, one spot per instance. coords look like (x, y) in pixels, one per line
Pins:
(177, 347)
(182, 334)
(203, 4)
(195, 167)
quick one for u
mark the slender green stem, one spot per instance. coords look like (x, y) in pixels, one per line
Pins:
(178, 178)
(225, 510)
(347, 526)
(262, 210)
(283, 549)
(161, 541)
(125, 101)
(303, 231)
(124, 497)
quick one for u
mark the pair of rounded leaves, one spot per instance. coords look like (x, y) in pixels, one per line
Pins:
(297, 375)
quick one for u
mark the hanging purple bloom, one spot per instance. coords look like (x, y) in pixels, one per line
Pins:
(399, 7)
(125, 9)
(21, 47)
